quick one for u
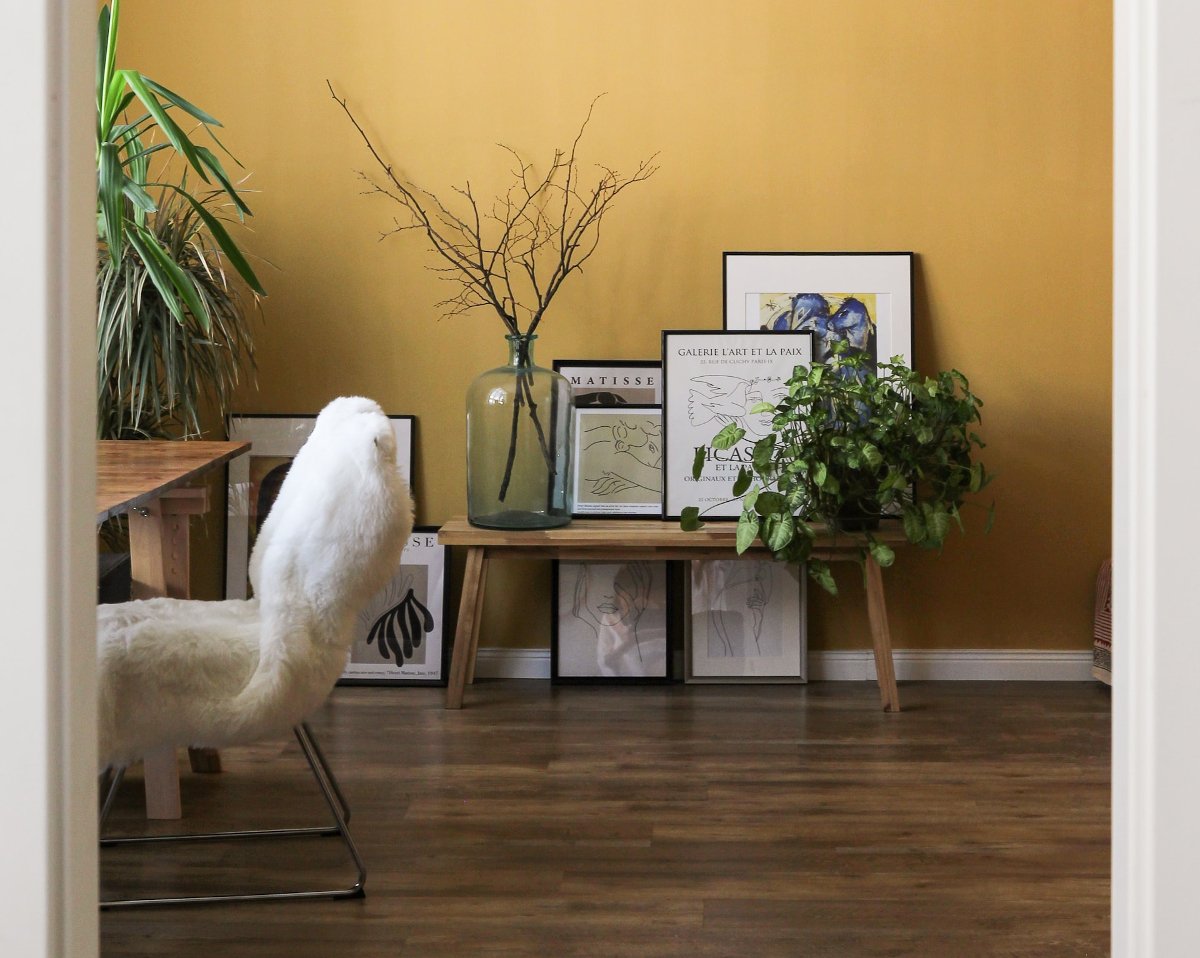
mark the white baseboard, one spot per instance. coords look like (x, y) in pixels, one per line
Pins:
(948, 665)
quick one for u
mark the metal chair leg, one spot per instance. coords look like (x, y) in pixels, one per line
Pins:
(334, 799)
(333, 782)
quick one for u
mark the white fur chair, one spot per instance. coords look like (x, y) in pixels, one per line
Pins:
(214, 674)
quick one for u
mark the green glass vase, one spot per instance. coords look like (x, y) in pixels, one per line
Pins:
(519, 444)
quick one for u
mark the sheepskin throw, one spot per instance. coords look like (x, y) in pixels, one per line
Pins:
(191, 673)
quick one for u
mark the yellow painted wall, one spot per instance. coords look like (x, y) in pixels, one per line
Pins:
(974, 132)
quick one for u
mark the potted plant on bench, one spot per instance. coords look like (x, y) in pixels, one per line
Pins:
(850, 449)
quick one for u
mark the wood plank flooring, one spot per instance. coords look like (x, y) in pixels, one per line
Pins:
(688, 821)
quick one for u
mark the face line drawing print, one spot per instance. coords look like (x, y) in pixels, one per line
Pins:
(759, 582)
(729, 399)
(636, 456)
(612, 610)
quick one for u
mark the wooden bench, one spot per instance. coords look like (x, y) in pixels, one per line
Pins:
(630, 539)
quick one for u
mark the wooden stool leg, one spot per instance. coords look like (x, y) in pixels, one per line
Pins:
(204, 760)
(465, 635)
(477, 620)
(162, 784)
(881, 637)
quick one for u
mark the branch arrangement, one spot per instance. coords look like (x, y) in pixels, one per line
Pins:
(513, 254)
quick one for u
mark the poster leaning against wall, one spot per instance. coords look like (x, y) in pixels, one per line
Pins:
(710, 380)
(400, 635)
(254, 480)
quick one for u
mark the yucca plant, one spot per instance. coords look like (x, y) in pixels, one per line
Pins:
(170, 329)
(154, 368)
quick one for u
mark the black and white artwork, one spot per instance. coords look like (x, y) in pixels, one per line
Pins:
(612, 382)
(611, 622)
(399, 637)
(618, 461)
(711, 380)
(746, 621)
(254, 480)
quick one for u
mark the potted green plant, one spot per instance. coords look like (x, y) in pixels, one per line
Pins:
(851, 448)
(171, 328)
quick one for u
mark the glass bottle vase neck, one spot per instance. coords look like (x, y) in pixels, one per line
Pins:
(520, 349)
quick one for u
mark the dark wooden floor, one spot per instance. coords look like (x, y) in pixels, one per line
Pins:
(684, 821)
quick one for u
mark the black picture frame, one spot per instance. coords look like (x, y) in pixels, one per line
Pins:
(642, 461)
(620, 393)
(277, 436)
(722, 394)
(838, 275)
(662, 596)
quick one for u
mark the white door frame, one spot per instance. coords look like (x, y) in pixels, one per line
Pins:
(1156, 464)
(47, 276)
(48, 884)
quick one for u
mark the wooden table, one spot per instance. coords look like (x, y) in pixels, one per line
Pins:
(630, 539)
(149, 480)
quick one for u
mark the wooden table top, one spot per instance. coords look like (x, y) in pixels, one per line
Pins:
(663, 539)
(130, 473)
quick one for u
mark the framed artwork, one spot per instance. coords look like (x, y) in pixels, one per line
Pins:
(613, 382)
(254, 480)
(400, 636)
(710, 379)
(618, 461)
(747, 621)
(861, 299)
(610, 623)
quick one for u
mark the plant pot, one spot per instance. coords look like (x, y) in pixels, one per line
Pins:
(519, 419)
(861, 516)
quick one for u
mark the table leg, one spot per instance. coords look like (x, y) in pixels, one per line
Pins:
(158, 547)
(466, 635)
(162, 784)
(483, 572)
(881, 637)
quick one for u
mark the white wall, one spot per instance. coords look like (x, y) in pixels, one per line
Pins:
(1156, 465)
(47, 569)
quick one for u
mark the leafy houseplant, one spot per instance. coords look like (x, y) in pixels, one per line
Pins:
(850, 447)
(511, 256)
(170, 328)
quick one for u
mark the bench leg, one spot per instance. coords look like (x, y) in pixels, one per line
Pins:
(881, 637)
(466, 635)
(483, 573)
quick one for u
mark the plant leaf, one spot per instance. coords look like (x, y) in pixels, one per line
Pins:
(881, 553)
(225, 241)
(178, 138)
(747, 530)
(728, 437)
(822, 576)
(689, 519)
(771, 503)
(778, 530)
(742, 483)
(698, 461)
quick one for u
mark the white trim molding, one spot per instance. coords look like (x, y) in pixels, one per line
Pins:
(858, 665)
(1156, 605)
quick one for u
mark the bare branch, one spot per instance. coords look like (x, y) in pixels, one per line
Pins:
(514, 254)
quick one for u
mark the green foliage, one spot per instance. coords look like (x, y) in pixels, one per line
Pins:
(169, 329)
(152, 369)
(850, 446)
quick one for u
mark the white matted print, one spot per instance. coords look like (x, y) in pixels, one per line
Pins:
(611, 622)
(612, 382)
(747, 621)
(618, 461)
(255, 479)
(400, 637)
(712, 379)
(863, 300)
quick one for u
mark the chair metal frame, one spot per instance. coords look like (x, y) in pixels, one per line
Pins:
(334, 798)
